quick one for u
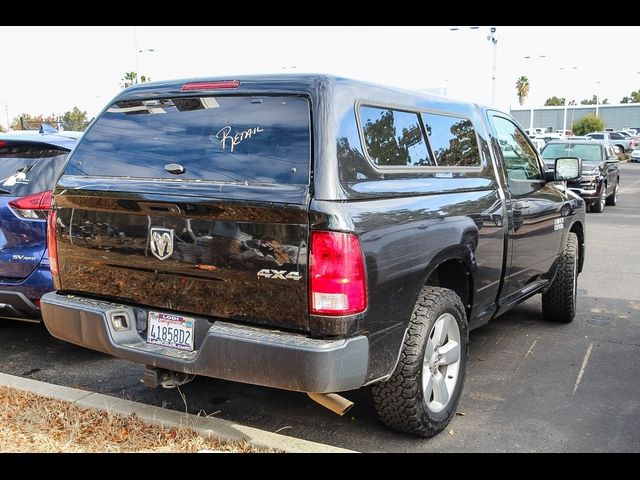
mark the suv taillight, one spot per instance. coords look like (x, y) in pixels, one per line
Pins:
(32, 207)
(337, 282)
(52, 243)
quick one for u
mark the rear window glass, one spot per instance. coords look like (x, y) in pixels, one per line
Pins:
(226, 138)
(453, 140)
(26, 170)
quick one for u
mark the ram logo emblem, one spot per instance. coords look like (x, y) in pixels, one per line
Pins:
(161, 242)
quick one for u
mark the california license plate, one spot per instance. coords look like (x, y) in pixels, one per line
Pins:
(168, 330)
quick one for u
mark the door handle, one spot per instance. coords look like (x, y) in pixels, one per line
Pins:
(158, 207)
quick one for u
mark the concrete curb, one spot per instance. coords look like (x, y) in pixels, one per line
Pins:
(221, 429)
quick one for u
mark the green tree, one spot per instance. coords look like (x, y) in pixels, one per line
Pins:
(462, 150)
(32, 122)
(587, 124)
(594, 101)
(554, 101)
(131, 78)
(75, 120)
(522, 88)
(383, 145)
(634, 97)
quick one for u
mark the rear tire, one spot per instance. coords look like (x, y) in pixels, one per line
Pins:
(613, 198)
(559, 302)
(423, 392)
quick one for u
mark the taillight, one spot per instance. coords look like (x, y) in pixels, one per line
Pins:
(32, 207)
(52, 243)
(337, 283)
(219, 85)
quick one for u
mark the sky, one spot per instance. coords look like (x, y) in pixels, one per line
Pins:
(50, 70)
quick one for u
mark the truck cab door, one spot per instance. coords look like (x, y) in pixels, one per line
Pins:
(534, 210)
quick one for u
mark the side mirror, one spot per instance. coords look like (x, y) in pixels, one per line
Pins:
(568, 168)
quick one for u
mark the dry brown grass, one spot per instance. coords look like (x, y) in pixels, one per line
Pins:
(33, 423)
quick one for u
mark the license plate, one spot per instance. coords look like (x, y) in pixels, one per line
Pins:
(168, 330)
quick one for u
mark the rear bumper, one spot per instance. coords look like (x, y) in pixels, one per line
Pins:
(16, 306)
(17, 296)
(223, 350)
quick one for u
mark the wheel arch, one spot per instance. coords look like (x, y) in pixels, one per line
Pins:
(578, 228)
(453, 273)
(452, 268)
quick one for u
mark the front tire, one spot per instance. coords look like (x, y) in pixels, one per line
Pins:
(559, 302)
(422, 394)
(598, 206)
(612, 199)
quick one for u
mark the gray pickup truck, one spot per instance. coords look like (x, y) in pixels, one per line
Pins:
(625, 144)
(309, 233)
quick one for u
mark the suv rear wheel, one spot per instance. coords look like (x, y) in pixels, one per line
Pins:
(422, 394)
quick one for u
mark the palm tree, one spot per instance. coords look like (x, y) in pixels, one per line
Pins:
(522, 87)
(131, 78)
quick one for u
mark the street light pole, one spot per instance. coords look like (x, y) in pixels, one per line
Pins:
(566, 100)
(135, 46)
(494, 40)
(533, 57)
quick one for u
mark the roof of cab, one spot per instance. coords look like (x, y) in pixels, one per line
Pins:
(299, 82)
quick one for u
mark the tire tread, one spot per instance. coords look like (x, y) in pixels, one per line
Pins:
(398, 401)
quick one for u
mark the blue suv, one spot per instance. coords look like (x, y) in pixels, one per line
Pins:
(30, 163)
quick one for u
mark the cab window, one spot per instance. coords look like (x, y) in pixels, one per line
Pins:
(519, 157)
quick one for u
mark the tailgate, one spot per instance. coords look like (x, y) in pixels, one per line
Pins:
(243, 261)
(22, 243)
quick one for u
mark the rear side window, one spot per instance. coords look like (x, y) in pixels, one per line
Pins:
(394, 138)
(244, 139)
(26, 169)
(596, 136)
(453, 140)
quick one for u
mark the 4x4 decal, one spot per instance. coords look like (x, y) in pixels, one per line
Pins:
(278, 274)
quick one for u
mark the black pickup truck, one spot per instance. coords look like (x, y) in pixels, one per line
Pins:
(310, 233)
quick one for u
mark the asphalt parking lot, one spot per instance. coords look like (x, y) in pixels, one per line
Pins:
(531, 386)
